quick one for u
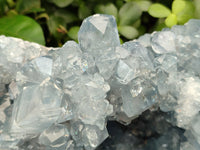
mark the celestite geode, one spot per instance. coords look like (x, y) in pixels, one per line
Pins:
(63, 97)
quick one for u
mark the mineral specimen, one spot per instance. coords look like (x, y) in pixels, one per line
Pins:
(62, 98)
(14, 53)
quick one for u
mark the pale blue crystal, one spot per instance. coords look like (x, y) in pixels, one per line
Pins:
(55, 137)
(14, 53)
(138, 96)
(98, 32)
(163, 42)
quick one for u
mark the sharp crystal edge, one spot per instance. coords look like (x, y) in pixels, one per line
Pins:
(62, 98)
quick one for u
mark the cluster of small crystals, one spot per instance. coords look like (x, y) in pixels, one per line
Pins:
(176, 56)
(63, 98)
(14, 53)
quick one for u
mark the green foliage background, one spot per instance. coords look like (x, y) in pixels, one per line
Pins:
(53, 22)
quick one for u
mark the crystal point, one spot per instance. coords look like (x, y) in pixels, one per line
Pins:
(98, 32)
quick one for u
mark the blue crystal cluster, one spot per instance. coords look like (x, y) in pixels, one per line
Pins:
(63, 97)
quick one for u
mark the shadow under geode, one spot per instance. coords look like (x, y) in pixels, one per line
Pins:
(150, 131)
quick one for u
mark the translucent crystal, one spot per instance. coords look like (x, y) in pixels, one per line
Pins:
(138, 96)
(7, 142)
(14, 53)
(163, 42)
(124, 73)
(106, 62)
(89, 96)
(137, 63)
(167, 80)
(98, 32)
(5, 115)
(92, 136)
(42, 104)
(55, 137)
(193, 133)
(131, 81)
(189, 102)
(145, 40)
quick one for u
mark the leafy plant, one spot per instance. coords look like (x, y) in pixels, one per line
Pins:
(15, 21)
(180, 13)
(53, 22)
(128, 16)
(22, 27)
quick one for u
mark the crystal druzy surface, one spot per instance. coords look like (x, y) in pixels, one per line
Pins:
(62, 98)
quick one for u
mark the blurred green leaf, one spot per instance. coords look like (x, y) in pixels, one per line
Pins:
(2, 7)
(121, 41)
(197, 8)
(141, 30)
(73, 32)
(160, 26)
(171, 20)
(158, 10)
(53, 24)
(109, 9)
(129, 13)
(42, 15)
(144, 4)
(61, 3)
(178, 6)
(22, 27)
(184, 13)
(11, 3)
(119, 3)
(137, 23)
(24, 6)
(61, 17)
(12, 12)
(83, 11)
(67, 16)
(36, 10)
(128, 32)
